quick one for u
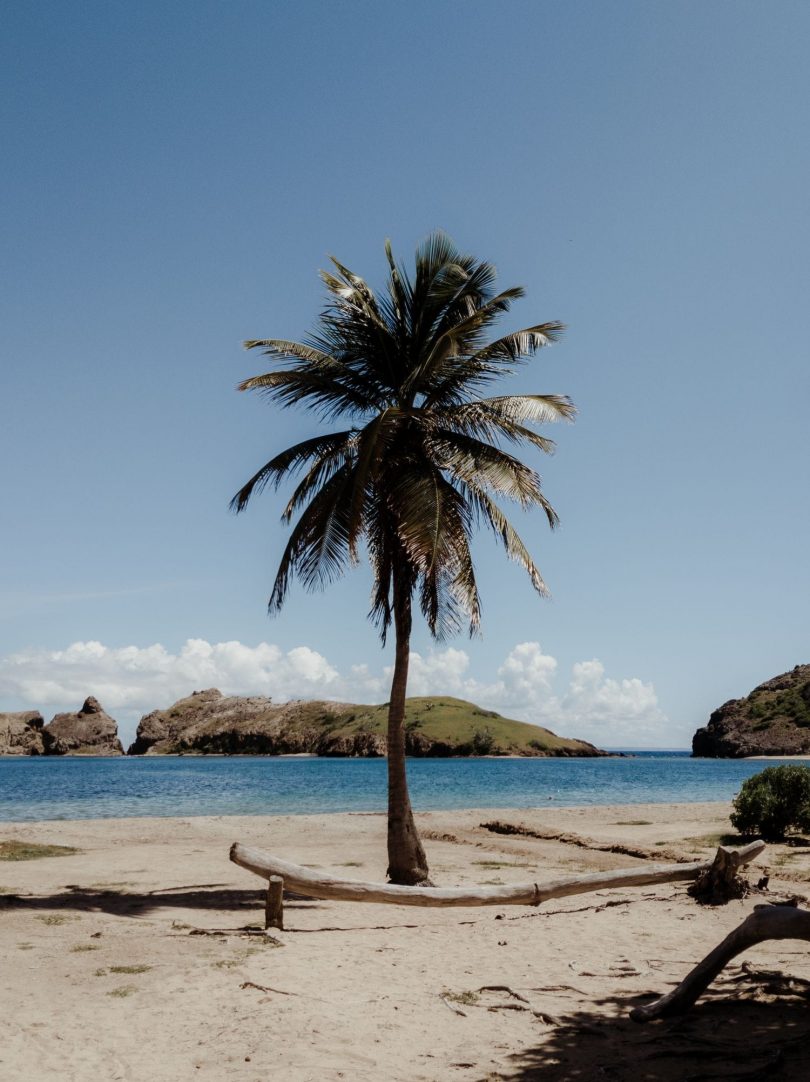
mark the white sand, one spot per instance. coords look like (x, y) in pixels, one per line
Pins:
(354, 992)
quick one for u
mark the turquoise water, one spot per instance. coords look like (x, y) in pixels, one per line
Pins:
(34, 788)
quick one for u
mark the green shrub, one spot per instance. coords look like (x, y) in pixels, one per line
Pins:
(483, 742)
(773, 802)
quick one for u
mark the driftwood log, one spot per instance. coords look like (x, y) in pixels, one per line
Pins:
(766, 922)
(317, 885)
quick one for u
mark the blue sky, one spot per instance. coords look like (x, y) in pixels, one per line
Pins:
(175, 175)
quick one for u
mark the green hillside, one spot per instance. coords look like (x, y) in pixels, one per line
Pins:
(461, 726)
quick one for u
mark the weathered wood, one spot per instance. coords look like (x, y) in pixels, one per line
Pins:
(766, 922)
(318, 885)
(720, 883)
(274, 903)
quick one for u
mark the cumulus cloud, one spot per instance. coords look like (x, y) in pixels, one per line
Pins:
(131, 680)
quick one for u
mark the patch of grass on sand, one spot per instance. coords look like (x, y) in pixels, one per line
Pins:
(503, 864)
(122, 991)
(12, 850)
(632, 823)
(711, 841)
(237, 960)
(80, 948)
(56, 919)
(467, 999)
(25, 946)
(130, 969)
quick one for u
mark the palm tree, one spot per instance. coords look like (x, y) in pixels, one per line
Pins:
(420, 464)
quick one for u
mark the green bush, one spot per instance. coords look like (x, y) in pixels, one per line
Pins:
(483, 742)
(773, 802)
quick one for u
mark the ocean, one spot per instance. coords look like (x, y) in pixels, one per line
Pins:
(33, 788)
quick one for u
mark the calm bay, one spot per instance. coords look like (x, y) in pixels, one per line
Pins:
(33, 788)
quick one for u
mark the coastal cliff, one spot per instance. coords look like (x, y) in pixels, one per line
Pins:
(21, 733)
(209, 722)
(774, 719)
(88, 731)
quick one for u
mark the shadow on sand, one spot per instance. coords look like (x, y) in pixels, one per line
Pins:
(124, 903)
(756, 1036)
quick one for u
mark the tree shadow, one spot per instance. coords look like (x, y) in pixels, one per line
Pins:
(752, 1037)
(124, 903)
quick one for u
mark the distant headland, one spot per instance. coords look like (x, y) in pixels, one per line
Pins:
(774, 719)
(210, 723)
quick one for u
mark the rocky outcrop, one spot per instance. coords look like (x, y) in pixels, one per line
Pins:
(21, 733)
(208, 722)
(90, 731)
(773, 720)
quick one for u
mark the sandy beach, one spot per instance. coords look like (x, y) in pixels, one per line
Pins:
(104, 976)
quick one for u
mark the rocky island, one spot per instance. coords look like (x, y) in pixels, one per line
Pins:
(209, 722)
(773, 720)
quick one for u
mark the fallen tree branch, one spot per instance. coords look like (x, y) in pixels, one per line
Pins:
(497, 826)
(318, 885)
(503, 988)
(264, 988)
(766, 922)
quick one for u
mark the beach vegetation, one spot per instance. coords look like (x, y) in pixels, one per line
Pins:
(14, 850)
(773, 803)
(421, 462)
(465, 999)
(503, 864)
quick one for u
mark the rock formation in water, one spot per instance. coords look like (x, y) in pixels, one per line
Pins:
(21, 733)
(209, 722)
(773, 720)
(90, 731)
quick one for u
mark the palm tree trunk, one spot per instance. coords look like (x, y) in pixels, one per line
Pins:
(407, 863)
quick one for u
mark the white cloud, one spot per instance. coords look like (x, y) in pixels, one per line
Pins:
(132, 680)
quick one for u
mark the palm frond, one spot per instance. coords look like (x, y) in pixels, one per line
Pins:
(511, 540)
(318, 544)
(470, 459)
(331, 396)
(321, 471)
(281, 348)
(520, 344)
(534, 408)
(287, 461)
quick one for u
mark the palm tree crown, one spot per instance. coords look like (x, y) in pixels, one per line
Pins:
(423, 461)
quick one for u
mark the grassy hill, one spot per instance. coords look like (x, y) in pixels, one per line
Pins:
(460, 727)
